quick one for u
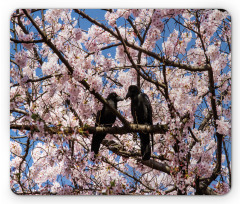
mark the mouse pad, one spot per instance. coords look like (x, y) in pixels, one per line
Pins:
(120, 102)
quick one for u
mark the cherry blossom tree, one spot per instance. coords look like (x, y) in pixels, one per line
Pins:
(64, 63)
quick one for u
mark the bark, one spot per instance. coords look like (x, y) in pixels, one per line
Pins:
(132, 128)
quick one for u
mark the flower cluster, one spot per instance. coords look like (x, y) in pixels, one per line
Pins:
(26, 37)
(21, 58)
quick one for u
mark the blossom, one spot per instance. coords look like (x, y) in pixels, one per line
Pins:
(15, 148)
(26, 37)
(136, 12)
(111, 17)
(21, 58)
(213, 52)
(223, 127)
(77, 33)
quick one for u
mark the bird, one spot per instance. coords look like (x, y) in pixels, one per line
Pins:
(106, 118)
(141, 110)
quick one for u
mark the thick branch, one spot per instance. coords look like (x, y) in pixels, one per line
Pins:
(205, 121)
(26, 42)
(117, 149)
(162, 129)
(17, 110)
(207, 191)
(156, 165)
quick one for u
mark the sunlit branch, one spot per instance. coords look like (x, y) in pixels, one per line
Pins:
(132, 128)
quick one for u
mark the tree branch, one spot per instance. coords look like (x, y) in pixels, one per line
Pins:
(70, 69)
(134, 64)
(132, 128)
(117, 149)
(149, 53)
(26, 42)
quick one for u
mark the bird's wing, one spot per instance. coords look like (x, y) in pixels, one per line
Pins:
(134, 114)
(98, 118)
(147, 108)
(148, 111)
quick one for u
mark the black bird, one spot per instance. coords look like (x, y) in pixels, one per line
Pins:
(106, 118)
(142, 114)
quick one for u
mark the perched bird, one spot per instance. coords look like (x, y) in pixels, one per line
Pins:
(106, 118)
(142, 114)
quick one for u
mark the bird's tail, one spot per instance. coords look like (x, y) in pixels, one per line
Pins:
(96, 141)
(145, 146)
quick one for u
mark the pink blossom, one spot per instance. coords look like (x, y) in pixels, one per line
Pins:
(223, 127)
(77, 33)
(15, 148)
(21, 58)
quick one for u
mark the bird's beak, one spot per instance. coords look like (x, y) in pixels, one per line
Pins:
(119, 98)
(128, 95)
